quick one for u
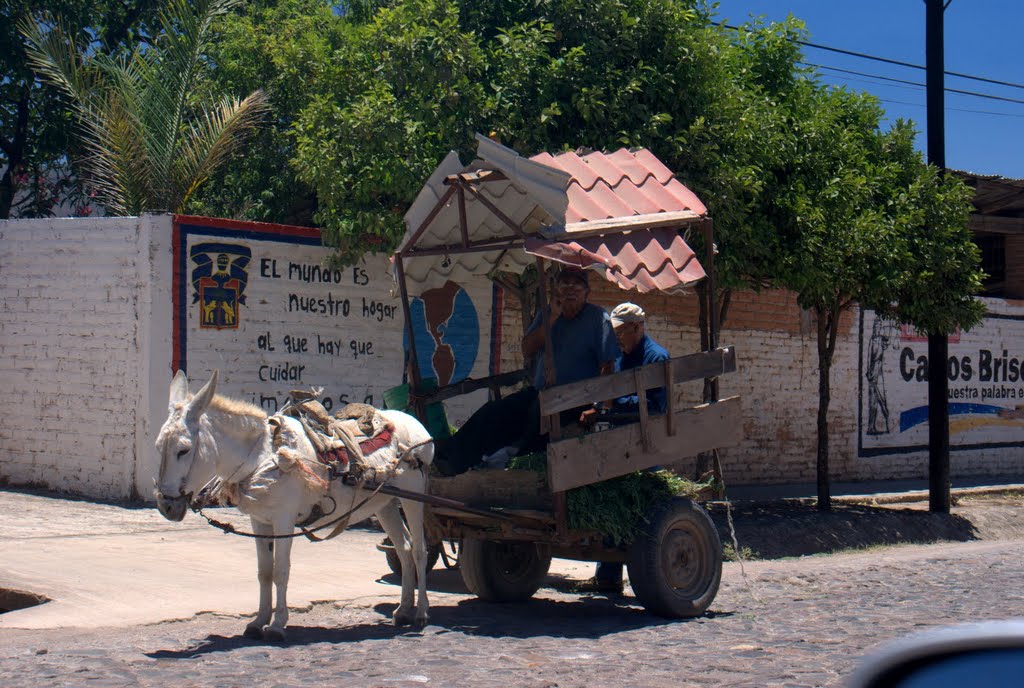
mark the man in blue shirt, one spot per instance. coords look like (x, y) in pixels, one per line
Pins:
(584, 344)
(583, 347)
(638, 349)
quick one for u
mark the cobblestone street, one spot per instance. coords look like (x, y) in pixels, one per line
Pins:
(792, 622)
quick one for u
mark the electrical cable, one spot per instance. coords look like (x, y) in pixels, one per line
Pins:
(876, 58)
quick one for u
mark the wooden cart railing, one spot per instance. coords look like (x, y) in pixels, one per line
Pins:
(591, 458)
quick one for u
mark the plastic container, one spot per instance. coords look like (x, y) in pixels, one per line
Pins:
(437, 419)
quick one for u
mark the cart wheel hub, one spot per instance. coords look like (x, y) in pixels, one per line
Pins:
(680, 560)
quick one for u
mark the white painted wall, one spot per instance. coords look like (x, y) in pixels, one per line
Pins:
(97, 313)
(74, 351)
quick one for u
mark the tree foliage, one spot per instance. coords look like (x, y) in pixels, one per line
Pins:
(36, 139)
(861, 219)
(148, 143)
(285, 48)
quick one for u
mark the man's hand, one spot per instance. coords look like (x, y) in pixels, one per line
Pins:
(588, 417)
(555, 310)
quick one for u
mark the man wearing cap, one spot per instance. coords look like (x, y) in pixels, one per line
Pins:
(638, 349)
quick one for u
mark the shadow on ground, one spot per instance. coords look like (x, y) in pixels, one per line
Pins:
(791, 529)
(584, 617)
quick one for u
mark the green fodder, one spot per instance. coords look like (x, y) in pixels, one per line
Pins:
(616, 508)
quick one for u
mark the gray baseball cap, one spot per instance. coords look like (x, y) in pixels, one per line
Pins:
(627, 313)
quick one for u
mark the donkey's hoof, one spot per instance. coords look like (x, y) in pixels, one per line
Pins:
(403, 618)
(422, 620)
(273, 635)
(254, 631)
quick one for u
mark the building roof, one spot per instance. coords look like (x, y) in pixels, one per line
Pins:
(474, 219)
(994, 195)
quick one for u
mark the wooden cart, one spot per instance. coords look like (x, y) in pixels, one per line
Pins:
(505, 212)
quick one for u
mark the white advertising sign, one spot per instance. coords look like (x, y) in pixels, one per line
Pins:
(986, 385)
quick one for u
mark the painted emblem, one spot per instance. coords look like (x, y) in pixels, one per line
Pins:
(219, 279)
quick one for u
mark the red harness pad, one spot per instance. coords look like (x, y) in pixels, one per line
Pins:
(341, 455)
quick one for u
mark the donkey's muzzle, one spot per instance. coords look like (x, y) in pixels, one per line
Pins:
(172, 508)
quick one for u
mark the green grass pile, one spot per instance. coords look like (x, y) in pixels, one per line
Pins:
(618, 507)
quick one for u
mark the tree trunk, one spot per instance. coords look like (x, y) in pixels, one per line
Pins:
(7, 190)
(15, 152)
(705, 459)
(828, 323)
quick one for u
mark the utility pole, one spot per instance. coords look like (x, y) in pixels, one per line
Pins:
(938, 342)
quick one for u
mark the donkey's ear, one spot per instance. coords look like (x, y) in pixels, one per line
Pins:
(179, 389)
(203, 397)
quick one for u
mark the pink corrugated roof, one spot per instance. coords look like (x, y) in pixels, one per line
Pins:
(624, 184)
(620, 184)
(645, 260)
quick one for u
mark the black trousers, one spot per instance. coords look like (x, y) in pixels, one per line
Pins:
(513, 421)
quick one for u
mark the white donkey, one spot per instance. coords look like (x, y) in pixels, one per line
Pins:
(207, 436)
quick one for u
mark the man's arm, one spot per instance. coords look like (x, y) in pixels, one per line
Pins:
(533, 341)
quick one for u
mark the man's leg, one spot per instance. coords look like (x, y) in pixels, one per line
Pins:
(496, 424)
(607, 580)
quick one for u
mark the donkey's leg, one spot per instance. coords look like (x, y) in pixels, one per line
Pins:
(414, 521)
(265, 575)
(391, 519)
(282, 569)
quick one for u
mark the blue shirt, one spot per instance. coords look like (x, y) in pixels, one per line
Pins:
(646, 351)
(580, 346)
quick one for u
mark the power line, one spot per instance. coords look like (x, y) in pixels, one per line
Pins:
(907, 64)
(915, 83)
(887, 60)
(951, 109)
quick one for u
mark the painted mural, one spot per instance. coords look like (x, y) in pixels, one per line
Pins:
(986, 384)
(258, 303)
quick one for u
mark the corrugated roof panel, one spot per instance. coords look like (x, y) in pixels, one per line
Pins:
(554, 192)
(572, 163)
(644, 260)
(598, 203)
(619, 184)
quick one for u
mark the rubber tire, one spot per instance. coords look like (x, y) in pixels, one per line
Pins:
(505, 571)
(675, 562)
(395, 564)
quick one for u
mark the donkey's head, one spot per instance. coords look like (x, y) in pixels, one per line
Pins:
(177, 446)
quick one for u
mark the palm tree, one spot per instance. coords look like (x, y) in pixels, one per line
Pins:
(149, 144)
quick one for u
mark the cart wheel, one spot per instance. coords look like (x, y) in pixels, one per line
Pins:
(395, 564)
(675, 562)
(503, 571)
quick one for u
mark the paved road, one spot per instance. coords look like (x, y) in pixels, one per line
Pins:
(795, 622)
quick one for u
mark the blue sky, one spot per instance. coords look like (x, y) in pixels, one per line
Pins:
(982, 38)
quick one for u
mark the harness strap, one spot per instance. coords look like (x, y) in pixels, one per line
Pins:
(340, 523)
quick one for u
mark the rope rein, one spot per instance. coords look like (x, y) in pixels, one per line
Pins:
(230, 529)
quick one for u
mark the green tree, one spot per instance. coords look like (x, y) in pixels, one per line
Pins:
(863, 220)
(148, 143)
(283, 47)
(35, 125)
(403, 89)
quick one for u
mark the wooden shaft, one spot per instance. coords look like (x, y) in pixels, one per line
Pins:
(415, 383)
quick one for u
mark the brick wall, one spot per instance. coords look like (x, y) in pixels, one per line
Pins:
(777, 378)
